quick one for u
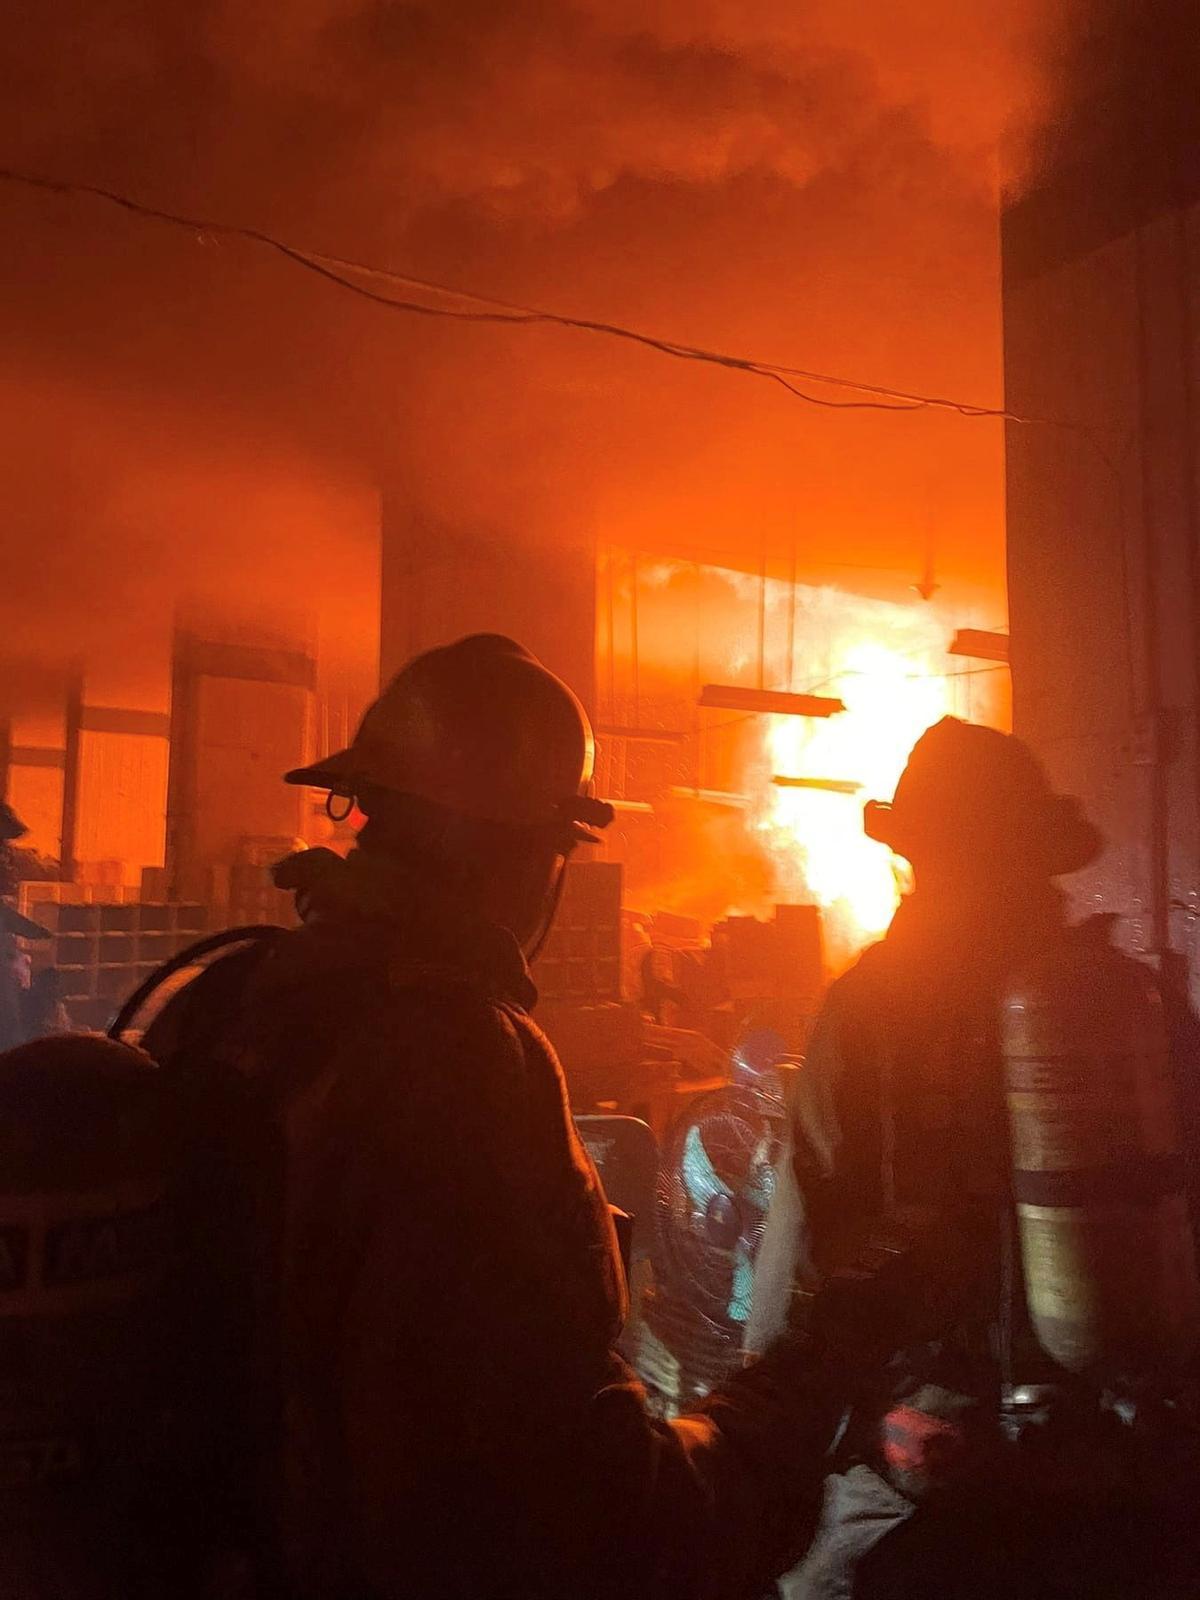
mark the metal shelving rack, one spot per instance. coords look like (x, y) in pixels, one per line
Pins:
(102, 952)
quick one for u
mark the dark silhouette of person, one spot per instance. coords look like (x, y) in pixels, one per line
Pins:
(17, 1020)
(450, 1418)
(899, 1105)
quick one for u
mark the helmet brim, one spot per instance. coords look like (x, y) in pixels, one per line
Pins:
(11, 826)
(1062, 840)
(20, 927)
(335, 773)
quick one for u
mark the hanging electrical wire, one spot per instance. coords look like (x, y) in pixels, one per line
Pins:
(347, 274)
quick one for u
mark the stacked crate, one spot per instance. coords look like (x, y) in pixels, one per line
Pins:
(36, 893)
(103, 952)
(253, 898)
(580, 964)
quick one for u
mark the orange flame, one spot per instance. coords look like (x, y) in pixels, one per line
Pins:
(665, 628)
(815, 836)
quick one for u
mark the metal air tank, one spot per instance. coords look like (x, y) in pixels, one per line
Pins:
(1105, 1234)
(85, 1242)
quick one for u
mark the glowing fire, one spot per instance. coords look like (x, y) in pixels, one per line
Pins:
(892, 694)
(666, 628)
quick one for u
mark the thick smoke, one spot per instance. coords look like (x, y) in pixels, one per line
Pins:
(530, 104)
(813, 182)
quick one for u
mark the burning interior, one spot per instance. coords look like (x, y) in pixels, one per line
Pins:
(727, 811)
(675, 299)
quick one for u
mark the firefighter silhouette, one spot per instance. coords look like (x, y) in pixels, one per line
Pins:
(17, 1012)
(447, 1284)
(942, 1480)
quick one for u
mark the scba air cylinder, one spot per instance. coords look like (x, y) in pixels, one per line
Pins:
(85, 1246)
(1105, 1233)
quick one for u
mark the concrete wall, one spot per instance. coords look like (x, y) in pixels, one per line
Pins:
(241, 715)
(1102, 307)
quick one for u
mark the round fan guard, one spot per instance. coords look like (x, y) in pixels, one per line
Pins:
(715, 1185)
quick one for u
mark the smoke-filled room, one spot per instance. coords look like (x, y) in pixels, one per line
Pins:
(600, 800)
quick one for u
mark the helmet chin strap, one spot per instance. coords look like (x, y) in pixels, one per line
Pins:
(533, 948)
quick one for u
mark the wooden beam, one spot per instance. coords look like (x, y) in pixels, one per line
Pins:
(712, 797)
(255, 663)
(829, 785)
(117, 719)
(641, 735)
(768, 702)
(36, 755)
(979, 645)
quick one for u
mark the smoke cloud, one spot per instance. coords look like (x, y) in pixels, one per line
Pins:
(811, 182)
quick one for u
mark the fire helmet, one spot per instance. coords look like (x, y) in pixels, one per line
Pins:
(11, 826)
(12, 922)
(970, 787)
(480, 728)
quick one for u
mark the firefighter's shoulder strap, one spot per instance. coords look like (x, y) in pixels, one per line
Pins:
(170, 982)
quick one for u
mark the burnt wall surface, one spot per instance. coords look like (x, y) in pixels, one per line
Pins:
(1101, 312)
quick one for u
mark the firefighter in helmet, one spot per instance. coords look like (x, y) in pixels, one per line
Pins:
(986, 838)
(900, 1105)
(15, 1009)
(451, 1418)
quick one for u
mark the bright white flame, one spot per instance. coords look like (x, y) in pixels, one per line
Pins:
(698, 624)
(892, 694)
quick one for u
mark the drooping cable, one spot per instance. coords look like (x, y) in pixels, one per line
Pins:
(347, 273)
